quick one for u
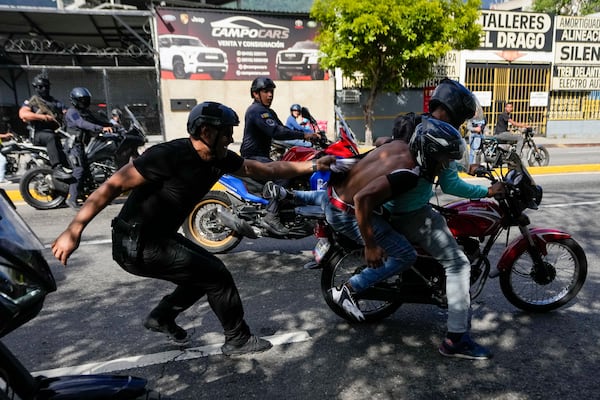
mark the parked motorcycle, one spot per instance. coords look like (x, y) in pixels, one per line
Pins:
(106, 153)
(536, 155)
(539, 271)
(25, 280)
(22, 156)
(223, 217)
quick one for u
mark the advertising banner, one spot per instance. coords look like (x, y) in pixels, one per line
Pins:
(577, 54)
(205, 44)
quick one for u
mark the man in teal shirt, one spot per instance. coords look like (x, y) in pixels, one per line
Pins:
(412, 215)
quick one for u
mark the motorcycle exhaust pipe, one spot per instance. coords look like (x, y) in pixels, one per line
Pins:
(234, 223)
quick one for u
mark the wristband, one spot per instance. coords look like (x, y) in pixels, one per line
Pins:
(314, 165)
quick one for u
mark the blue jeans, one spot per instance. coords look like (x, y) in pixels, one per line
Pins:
(2, 167)
(474, 144)
(428, 229)
(400, 253)
(310, 197)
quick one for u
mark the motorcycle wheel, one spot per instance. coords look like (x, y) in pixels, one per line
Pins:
(538, 157)
(563, 275)
(38, 191)
(203, 227)
(337, 271)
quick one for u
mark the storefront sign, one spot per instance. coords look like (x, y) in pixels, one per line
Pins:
(507, 30)
(577, 54)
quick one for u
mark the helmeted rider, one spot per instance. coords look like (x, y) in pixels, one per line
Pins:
(262, 125)
(115, 118)
(295, 120)
(436, 145)
(83, 124)
(44, 115)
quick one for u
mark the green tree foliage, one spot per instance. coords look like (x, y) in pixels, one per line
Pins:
(391, 41)
(567, 7)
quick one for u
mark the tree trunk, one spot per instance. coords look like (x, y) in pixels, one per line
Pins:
(368, 114)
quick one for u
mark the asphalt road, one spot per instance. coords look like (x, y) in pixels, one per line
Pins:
(93, 323)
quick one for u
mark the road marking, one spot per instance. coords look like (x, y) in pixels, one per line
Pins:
(145, 360)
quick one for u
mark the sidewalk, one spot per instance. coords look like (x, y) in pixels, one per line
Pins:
(567, 142)
(12, 188)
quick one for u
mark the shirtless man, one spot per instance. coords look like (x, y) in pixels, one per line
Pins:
(351, 210)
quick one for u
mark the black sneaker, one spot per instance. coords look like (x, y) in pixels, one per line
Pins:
(60, 173)
(272, 223)
(465, 348)
(343, 298)
(176, 334)
(253, 345)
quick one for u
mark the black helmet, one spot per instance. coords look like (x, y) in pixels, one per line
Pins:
(80, 97)
(435, 140)
(116, 112)
(460, 103)
(211, 113)
(261, 83)
(41, 84)
(296, 107)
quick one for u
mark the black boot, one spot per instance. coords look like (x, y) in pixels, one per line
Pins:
(162, 319)
(272, 223)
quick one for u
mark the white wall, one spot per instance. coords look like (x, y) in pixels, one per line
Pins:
(318, 96)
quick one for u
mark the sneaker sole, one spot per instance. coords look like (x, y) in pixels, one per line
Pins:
(463, 356)
(243, 353)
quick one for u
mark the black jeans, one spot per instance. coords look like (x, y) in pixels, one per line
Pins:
(53, 145)
(196, 272)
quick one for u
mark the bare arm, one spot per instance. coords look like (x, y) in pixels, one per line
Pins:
(27, 115)
(365, 201)
(282, 169)
(67, 242)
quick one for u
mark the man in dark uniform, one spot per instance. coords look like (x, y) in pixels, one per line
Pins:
(44, 115)
(262, 126)
(166, 182)
(83, 124)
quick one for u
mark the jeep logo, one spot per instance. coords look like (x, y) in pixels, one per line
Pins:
(247, 28)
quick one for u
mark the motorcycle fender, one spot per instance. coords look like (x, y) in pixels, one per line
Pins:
(539, 235)
(91, 386)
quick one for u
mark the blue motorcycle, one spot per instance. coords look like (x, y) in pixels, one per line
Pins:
(235, 208)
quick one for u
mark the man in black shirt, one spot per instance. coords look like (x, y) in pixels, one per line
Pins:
(166, 182)
(502, 128)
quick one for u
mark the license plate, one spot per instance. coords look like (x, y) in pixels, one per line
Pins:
(321, 249)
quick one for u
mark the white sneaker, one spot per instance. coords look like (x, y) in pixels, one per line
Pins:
(344, 299)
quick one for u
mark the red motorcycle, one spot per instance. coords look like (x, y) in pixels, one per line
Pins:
(539, 271)
(223, 217)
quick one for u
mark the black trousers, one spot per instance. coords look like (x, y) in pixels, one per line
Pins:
(53, 145)
(196, 272)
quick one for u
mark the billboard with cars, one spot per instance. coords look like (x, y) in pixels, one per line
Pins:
(203, 45)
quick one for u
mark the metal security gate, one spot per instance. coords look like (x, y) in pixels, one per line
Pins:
(514, 83)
